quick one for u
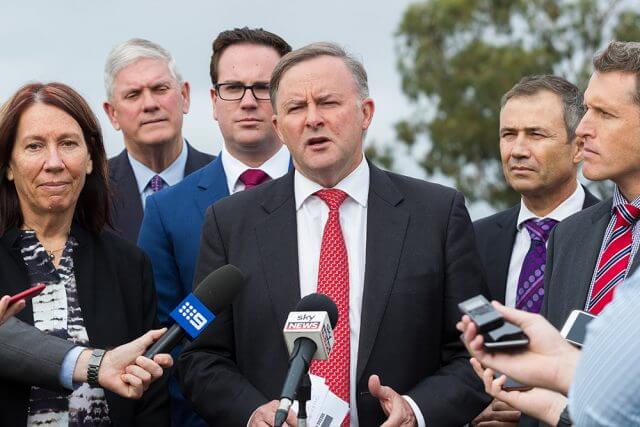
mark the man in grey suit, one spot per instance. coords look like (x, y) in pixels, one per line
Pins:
(591, 253)
(30, 356)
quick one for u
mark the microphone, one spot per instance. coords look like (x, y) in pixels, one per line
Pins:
(308, 333)
(200, 307)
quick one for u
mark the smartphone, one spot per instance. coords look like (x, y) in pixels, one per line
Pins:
(29, 293)
(575, 328)
(498, 334)
(511, 384)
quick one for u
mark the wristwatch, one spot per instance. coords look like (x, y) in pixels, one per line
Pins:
(93, 367)
(565, 419)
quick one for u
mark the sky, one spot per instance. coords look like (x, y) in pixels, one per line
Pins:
(69, 40)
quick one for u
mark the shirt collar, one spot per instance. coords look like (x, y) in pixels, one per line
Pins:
(619, 199)
(571, 205)
(172, 175)
(356, 185)
(276, 166)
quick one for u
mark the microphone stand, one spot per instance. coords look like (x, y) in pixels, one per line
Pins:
(303, 395)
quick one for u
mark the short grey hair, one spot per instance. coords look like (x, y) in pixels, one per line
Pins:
(312, 51)
(572, 99)
(131, 51)
(620, 56)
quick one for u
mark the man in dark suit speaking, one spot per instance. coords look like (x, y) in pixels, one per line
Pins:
(396, 254)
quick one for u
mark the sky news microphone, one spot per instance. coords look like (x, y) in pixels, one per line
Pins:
(308, 333)
(199, 308)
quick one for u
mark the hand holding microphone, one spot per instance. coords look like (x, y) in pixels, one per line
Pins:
(200, 308)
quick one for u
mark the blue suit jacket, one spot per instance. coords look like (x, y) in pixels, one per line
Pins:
(170, 232)
(170, 235)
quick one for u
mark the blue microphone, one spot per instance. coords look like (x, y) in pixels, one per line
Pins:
(200, 308)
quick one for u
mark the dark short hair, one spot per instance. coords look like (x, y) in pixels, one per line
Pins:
(620, 56)
(244, 35)
(572, 101)
(92, 209)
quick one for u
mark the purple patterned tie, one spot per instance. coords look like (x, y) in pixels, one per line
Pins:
(531, 280)
(157, 183)
(252, 177)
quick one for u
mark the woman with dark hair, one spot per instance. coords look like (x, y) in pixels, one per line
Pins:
(54, 205)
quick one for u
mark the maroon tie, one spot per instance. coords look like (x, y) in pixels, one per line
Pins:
(252, 177)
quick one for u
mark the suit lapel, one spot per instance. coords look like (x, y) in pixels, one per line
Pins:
(278, 246)
(195, 159)
(503, 237)
(127, 202)
(212, 185)
(386, 228)
(589, 242)
(83, 264)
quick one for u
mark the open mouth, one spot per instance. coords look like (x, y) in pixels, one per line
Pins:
(317, 140)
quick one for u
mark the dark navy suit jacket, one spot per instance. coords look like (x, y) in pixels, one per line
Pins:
(126, 214)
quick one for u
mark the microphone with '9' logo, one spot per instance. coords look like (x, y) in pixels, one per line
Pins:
(200, 308)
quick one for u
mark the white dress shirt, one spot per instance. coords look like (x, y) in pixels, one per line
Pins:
(312, 214)
(522, 243)
(172, 175)
(275, 167)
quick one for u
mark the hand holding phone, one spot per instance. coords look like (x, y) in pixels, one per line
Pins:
(27, 294)
(575, 328)
(498, 334)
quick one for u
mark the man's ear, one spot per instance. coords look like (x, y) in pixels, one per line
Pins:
(368, 108)
(185, 90)
(578, 149)
(112, 114)
(214, 98)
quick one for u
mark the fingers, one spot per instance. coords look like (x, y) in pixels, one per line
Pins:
(149, 366)
(374, 386)
(164, 360)
(517, 317)
(135, 387)
(144, 341)
(378, 390)
(139, 372)
(7, 310)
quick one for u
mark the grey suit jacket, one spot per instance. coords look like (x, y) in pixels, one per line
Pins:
(30, 356)
(572, 253)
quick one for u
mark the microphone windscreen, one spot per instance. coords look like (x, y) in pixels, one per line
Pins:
(219, 288)
(319, 302)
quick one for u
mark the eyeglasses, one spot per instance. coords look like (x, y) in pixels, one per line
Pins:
(236, 91)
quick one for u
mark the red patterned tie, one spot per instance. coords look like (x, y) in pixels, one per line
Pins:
(612, 267)
(252, 177)
(333, 281)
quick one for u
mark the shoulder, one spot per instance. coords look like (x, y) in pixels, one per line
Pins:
(120, 250)
(582, 218)
(424, 197)
(497, 218)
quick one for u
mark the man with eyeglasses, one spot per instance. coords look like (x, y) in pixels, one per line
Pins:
(241, 66)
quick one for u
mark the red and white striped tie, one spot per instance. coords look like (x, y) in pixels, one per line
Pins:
(612, 267)
(333, 281)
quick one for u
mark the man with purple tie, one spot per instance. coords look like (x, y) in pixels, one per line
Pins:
(241, 66)
(540, 155)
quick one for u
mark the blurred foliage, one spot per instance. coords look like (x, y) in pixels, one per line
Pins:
(458, 57)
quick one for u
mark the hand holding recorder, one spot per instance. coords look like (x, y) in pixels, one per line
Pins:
(548, 361)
